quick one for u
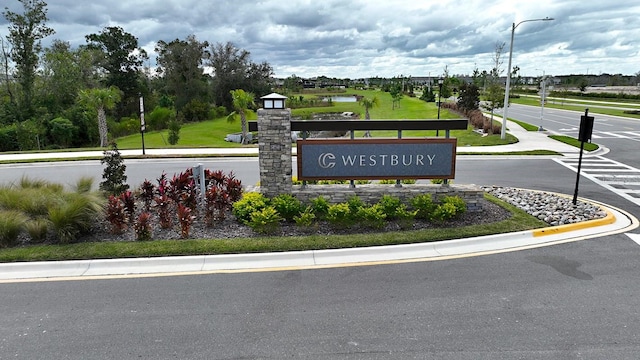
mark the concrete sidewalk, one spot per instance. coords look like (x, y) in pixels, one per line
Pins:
(528, 141)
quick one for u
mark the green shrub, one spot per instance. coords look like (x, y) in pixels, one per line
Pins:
(37, 229)
(218, 112)
(265, 221)
(174, 132)
(393, 181)
(390, 205)
(371, 216)
(74, 215)
(84, 185)
(250, 202)
(62, 131)
(355, 203)
(320, 207)
(11, 225)
(424, 206)
(306, 218)
(405, 217)
(159, 118)
(458, 202)
(287, 206)
(340, 215)
(195, 110)
(9, 138)
(126, 126)
(443, 212)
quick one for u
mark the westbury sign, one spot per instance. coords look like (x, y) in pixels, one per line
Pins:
(415, 158)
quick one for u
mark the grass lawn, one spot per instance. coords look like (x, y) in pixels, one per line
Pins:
(577, 105)
(211, 133)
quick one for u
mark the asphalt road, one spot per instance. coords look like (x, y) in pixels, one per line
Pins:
(572, 301)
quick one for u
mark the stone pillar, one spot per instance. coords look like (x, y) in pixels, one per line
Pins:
(274, 146)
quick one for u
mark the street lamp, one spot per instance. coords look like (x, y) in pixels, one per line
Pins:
(440, 82)
(543, 95)
(503, 134)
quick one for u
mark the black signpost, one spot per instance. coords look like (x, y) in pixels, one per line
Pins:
(584, 135)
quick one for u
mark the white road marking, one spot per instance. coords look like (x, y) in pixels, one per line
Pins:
(634, 237)
(619, 178)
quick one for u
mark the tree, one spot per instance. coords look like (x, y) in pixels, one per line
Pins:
(174, 130)
(396, 94)
(494, 93)
(368, 103)
(180, 63)
(122, 60)
(293, 84)
(469, 98)
(446, 84)
(114, 178)
(241, 102)
(62, 77)
(25, 32)
(101, 100)
(233, 69)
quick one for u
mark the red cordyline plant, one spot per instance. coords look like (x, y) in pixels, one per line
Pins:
(142, 227)
(214, 178)
(163, 206)
(234, 188)
(116, 215)
(129, 203)
(146, 194)
(179, 185)
(186, 219)
(189, 196)
(161, 189)
(217, 204)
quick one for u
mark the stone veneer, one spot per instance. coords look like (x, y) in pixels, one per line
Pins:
(274, 146)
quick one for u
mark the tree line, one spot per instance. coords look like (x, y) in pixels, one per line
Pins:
(61, 96)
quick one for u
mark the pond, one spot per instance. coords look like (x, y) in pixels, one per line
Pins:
(340, 98)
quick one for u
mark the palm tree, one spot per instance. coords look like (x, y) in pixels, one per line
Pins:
(101, 100)
(368, 103)
(241, 101)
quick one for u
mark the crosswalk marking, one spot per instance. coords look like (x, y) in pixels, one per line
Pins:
(634, 237)
(630, 135)
(619, 178)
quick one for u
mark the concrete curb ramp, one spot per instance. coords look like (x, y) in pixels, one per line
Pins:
(616, 221)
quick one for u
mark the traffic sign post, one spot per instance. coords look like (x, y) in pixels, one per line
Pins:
(143, 126)
(584, 135)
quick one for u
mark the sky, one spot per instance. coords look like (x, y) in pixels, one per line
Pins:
(366, 38)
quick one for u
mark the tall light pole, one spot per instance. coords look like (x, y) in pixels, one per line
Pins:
(440, 82)
(503, 133)
(543, 95)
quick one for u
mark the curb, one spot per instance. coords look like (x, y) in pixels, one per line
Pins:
(616, 221)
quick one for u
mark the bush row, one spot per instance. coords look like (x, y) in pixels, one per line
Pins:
(477, 119)
(46, 212)
(265, 215)
(173, 201)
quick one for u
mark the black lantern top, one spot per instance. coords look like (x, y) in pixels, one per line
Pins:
(273, 101)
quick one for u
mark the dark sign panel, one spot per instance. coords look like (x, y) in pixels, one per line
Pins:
(376, 159)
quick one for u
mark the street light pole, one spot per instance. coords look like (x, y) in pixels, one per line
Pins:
(543, 90)
(440, 82)
(503, 133)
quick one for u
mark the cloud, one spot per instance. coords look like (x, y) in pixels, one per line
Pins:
(359, 38)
